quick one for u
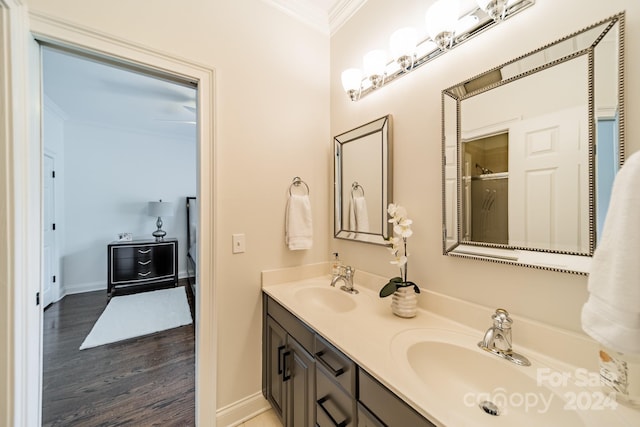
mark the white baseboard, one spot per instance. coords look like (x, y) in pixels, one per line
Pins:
(79, 288)
(242, 410)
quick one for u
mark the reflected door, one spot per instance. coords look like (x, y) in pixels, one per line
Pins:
(548, 155)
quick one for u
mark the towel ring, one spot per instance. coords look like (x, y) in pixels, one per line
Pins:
(355, 187)
(296, 183)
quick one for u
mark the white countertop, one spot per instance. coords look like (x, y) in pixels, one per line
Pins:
(366, 333)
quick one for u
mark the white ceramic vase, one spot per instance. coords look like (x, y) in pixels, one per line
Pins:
(404, 302)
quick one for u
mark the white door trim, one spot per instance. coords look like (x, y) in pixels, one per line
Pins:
(66, 34)
(21, 218)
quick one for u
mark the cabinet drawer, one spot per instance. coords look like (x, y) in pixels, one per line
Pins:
(385, 405)
(294, 326)
(139, 252)
(334, 407)
(339, 367)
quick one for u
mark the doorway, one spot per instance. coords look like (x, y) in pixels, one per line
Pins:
(26, 242)
(125, 137)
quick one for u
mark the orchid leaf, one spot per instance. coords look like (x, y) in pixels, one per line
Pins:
(388, 289)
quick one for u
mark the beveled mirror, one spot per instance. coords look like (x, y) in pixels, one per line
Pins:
(362, 182)
(530, 151)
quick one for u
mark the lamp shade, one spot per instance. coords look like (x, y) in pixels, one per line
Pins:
(466, 24)
(403, 42)
(351, 79)
(159, 209)
(374, 63)
(441, 17)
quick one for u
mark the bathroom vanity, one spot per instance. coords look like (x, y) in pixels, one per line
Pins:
(331, 358)
(309, 382)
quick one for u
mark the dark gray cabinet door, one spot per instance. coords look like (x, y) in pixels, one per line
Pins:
(300, 378)
(276, 339)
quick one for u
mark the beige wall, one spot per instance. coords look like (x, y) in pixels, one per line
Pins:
(272, 123)
(414, 101)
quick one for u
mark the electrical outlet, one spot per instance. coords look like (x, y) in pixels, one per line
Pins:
(238, 243)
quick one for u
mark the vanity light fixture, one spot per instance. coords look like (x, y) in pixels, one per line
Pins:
(446, 28)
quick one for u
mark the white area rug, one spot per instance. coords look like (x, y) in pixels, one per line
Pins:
(134, 315)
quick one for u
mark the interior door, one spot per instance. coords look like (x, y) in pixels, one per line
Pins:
(548, 155)
(48, 225)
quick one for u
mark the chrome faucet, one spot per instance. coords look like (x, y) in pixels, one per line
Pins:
(497, 339)
(346, 275)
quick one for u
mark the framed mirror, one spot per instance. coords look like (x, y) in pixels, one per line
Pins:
(530, 151)
(363, 182)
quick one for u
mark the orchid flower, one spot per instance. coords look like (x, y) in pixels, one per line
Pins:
(398, 248)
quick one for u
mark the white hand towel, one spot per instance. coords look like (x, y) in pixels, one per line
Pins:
(612, 314)
(358, 215)
(298, 223)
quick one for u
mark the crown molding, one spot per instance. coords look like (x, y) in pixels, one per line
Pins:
(341, 12)
(313, 14)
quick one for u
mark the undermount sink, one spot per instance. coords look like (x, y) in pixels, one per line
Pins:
(479, 388)
(326, 298)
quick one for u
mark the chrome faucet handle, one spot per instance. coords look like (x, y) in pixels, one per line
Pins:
(349, 271)
(501, 319)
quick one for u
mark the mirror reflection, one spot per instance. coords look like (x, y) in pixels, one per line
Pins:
(530, 150)
(362, 182)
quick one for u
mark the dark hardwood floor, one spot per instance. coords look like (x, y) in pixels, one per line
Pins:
(144, 381)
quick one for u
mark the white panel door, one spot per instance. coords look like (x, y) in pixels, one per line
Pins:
(548, 181)
(48, 223)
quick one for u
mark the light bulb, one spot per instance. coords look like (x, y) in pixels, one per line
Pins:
(352, 82)
(351, 79)
(403, 46)
(441, 19)
(374, 64)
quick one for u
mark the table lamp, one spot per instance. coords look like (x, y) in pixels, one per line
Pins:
(160, 209)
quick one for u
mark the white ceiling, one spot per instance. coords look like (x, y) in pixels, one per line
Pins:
(88, 91)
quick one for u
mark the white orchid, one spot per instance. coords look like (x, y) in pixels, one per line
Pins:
(398, 248)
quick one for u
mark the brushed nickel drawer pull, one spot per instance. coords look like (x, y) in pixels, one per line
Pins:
(144, 262)
(140, 251)
(144, 274)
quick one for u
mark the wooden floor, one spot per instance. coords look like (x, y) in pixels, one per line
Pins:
(142, 381)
